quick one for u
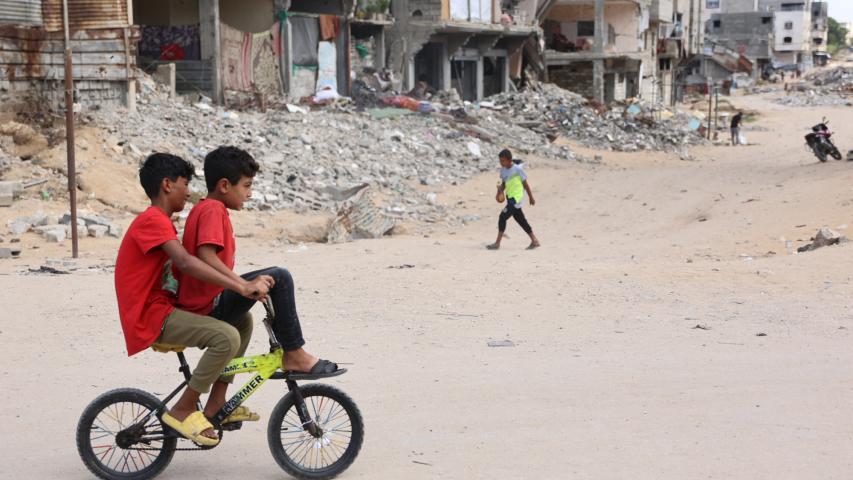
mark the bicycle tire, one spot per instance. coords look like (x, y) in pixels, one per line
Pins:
(85, 427)
(286, 405)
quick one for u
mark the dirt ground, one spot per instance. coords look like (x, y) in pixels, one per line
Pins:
(608, 376)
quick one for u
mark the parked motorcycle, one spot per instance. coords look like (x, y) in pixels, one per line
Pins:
(820, 143)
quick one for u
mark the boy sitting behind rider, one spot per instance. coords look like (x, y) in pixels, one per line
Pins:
(208, 235)
(145, 290)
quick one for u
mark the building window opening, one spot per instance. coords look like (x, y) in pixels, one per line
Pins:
(789, 25)
(717, 23)
(788, 40)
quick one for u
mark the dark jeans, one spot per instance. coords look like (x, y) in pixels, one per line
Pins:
(511, 211)
(286, 327)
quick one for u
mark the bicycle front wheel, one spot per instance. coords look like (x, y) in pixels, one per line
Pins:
(114, 451)
(327, 452)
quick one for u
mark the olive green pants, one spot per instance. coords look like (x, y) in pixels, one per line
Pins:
(220, 340)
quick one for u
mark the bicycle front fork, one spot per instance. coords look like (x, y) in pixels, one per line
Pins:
(308, 423)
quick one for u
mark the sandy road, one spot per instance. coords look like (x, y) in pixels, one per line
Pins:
(608, 377)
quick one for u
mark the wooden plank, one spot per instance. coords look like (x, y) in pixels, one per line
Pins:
(57, 72)
(57, 46)
(32, 58)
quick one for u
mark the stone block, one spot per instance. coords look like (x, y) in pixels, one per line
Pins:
(54, 236)
(115, 230)
(98, 231)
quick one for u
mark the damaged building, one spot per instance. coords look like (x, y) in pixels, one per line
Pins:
(778, 34)
(229, 48)
(32, 58)
(472, 46)
(600, 49)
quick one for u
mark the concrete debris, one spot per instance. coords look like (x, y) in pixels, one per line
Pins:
(98, 231)
(309, 154)
(824, 238)
(824, 88)
(628, 126)
(7, 252)
(359, 218)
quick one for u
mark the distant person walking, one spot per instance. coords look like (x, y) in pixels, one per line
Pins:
(512, 187)
(736, 121)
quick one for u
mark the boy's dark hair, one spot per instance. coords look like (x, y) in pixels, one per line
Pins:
(505, 153)
(163, 165)
(229, 163)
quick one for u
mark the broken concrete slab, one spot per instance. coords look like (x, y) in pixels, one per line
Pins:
(115, 230)
(359, 218)
(7, 194)
(98, 231)
(18, 227)
(826, 237)
(7, 252)
(54, 236)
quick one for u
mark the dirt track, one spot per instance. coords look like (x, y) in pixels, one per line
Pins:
(608, 377)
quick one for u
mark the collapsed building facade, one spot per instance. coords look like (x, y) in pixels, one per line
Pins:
(473, 46)
(616, 49)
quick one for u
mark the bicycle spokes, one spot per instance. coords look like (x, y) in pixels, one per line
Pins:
(334, 434)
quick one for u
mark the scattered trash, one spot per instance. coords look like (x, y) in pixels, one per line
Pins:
(700, 326)
(501, 343)
(761, 334)
(400, 267)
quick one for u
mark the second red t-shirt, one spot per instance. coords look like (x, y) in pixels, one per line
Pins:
(207, 224)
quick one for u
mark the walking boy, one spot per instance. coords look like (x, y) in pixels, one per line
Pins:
(209, 235)
(513, 185)
(145, 290)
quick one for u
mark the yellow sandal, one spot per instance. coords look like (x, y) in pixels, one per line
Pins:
(241, 414)
(192, 427)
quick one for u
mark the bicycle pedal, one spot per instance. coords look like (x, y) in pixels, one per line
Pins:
(230, 427)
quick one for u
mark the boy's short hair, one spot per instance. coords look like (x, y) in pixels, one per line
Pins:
(229, 163)
(163, 165)
(505, 153)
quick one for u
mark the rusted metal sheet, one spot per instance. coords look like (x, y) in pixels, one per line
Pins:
(20, 12)
(33, 53)
(86, 14)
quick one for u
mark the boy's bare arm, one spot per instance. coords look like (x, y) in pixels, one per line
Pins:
(196, 268)
(529, 192)
(207, 254)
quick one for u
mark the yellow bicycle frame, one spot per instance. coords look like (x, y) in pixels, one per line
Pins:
(264, 366)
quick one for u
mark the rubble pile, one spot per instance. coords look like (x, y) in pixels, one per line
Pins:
(632, 126)
(822, 89)
(313, 158)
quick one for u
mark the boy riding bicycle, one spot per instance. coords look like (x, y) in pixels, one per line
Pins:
(146, 288)
(209, 235)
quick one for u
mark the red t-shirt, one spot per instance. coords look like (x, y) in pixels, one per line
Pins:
(207, 224)
(145, 286)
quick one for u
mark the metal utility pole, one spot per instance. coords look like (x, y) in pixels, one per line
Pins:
(598, 48)
(69, 130)
(710, 106)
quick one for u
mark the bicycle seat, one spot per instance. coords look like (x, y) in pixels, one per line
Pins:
(166, 348)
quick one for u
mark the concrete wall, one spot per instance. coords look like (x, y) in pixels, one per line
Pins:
(799, 31)
(253, 16)
(624, 18)
(576, 78)
(429, 9)
(750, 34)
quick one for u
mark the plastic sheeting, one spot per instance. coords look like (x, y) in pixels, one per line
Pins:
(327, 76)
(305, 35)
(236, 51)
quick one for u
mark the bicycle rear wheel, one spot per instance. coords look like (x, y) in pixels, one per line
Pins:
(110, 449)
(328, 452)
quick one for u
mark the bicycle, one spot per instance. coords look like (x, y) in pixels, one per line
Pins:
(314, 432)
